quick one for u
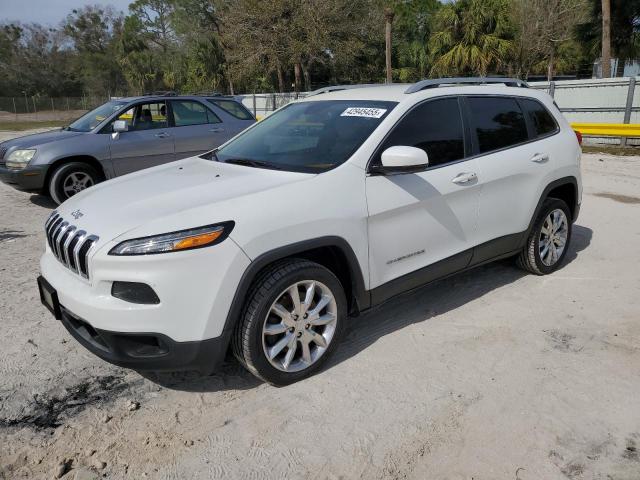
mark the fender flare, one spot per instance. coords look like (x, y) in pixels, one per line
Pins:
(545, 193)
(361, 295)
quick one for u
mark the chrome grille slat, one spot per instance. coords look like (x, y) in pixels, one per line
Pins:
(76, 250)
(70, 245)
(52, 228)
(56, 237)
(65, 247)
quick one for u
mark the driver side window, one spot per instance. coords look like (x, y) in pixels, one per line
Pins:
(146, 116)
(435, 127)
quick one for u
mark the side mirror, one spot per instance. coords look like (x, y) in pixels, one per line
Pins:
(402, 159)
(120, 126)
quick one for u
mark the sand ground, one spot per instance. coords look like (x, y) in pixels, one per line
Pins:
(492, 374)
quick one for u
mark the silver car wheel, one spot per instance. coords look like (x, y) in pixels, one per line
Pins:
(299, 326)
(553, 237)
(75, 182)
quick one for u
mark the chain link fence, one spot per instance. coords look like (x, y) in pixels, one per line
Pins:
(62, 109)
(41, 109)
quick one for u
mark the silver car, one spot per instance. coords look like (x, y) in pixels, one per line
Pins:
(120, 137)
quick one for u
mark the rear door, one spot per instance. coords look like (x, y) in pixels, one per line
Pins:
(235, 115)
(148, 141)
(197, 129)
(418, 219)
(513, 162)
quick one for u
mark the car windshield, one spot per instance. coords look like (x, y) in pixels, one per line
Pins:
(310, 137)
(95, 117)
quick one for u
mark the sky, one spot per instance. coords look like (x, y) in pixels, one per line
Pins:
(49, 12)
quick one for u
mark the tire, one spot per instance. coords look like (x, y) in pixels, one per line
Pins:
(541, 261)
(63, 184)
(261, 331)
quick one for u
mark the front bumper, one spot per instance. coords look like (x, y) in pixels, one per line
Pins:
(30, 179)
(146, 351)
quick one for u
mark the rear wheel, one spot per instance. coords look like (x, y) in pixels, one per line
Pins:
(71, 178)
(549, 239)
(293, 321)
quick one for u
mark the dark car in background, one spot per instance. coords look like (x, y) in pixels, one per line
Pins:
(119, 137)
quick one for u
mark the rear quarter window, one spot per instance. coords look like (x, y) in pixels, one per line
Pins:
(232, 108)
(539, 117)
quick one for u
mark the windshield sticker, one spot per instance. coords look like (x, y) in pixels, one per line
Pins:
(364, 112)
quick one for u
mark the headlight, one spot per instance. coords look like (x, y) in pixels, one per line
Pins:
(175, 241)
(19, 158)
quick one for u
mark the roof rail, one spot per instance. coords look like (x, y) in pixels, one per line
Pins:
(337, 88)
(161, 93)
(437, 82)
(209, 94)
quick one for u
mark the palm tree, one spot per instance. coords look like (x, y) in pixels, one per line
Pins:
(388, 18)
(471, 37)
(606, 38)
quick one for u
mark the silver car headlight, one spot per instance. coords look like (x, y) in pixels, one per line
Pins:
(175, 241)
(19, 159)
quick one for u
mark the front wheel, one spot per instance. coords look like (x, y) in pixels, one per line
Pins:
(292, 322)
(549, 239)
(71, 178)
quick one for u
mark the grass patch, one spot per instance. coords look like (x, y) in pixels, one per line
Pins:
(29, 125)
(611, 150)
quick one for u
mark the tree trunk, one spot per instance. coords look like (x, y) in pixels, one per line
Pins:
(550, 67)
(280, 79)
(307, 77)
(388, 17)
(606, 38)
(297, 70)
(231, 86)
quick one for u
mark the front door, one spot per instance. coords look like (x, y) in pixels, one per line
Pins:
(419, 219)
(147, 143)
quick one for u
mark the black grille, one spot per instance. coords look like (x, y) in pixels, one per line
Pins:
(69, 245)
(3, 150)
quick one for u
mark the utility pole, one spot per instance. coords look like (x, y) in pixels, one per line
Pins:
(388, 17)
(606, 38)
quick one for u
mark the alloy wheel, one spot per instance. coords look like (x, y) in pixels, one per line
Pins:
(75, 182)
(299, 326)
(553, 237)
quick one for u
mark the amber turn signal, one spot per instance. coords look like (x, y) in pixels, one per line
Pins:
(197, 241)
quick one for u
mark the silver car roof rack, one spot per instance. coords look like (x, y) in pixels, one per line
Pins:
(337, 88)
(437, 82)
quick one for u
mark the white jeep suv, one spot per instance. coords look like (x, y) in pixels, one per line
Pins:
(331, 205)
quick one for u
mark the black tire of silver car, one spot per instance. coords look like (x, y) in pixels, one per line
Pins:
(549, 240)
(71, 178)
(292, 322)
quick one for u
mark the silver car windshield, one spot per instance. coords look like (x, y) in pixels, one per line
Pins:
(309, 137)
(95, 117)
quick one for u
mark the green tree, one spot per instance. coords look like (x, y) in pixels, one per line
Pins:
(472, 37)
(625, 31)
(412, 29)
(93, 31)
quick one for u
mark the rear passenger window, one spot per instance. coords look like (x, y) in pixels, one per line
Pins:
(188, 112)
(541, 120)
(498, 122)
(435, 127)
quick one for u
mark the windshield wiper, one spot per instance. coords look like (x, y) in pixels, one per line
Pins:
(252, 163)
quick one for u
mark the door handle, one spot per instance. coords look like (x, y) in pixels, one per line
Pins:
(464, 178)
(162, 135)
(540, 158)
(216, 129)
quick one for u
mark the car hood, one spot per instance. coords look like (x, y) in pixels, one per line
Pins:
(185, 194)
(38, 139)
